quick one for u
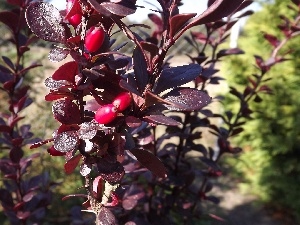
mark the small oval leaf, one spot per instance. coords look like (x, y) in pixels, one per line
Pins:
(71, 165)
(186, 99)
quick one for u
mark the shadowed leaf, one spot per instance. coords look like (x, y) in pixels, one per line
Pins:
(150, 161)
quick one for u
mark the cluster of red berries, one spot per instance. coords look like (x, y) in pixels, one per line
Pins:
(95, 36)
(107, 113)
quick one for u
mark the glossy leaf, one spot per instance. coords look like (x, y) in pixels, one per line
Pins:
(123, 8)
(216, 11)
(150, 161)
(176, 76)
(178, 21)
(186, 99)
(88, 130)
(45, 21)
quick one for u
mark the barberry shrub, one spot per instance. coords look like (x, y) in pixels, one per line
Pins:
(109, 106)
(24, 196)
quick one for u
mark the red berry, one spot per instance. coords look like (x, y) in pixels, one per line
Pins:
(73, 12)
(75, 20)
(94, 39)
(106, 114)
(52, 151)
(122, 101)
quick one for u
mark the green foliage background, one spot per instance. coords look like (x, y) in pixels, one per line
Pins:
(270, 161)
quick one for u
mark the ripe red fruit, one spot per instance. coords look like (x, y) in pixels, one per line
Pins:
(73, 12)
(122, 101)
(75, 20)
(94, 39)
(106, 114)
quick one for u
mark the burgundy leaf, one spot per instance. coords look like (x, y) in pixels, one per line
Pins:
(9, 19)
(150, 161)
(140, 69)
(176, 76)
(66, 141)
(106, 217)
(57, 54)
(178, 21)
(15, 2)
(273, 40)
(161, 119)
(124, 8)
(67, 72)
(217, 10)
(72, 163)
(66, 112)
(55, 95)
(186, 99)
(45, 21)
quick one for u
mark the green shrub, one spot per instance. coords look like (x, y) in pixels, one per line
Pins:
(271, 142)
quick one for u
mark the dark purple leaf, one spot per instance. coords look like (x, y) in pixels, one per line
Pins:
(213, 199)
(133, 122)
(106, 217)
(6, 198)
(110, 172)
(231, 51)
(66, 112)
(16, 154)
(72, 163)
(8, 62)
(161, 119)
(186, 99)
(176, 76)
(130, 201)
(178, 21)
(140, 69)
(150, 161)
(45, 21)
(57, 54)
(66, 141)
